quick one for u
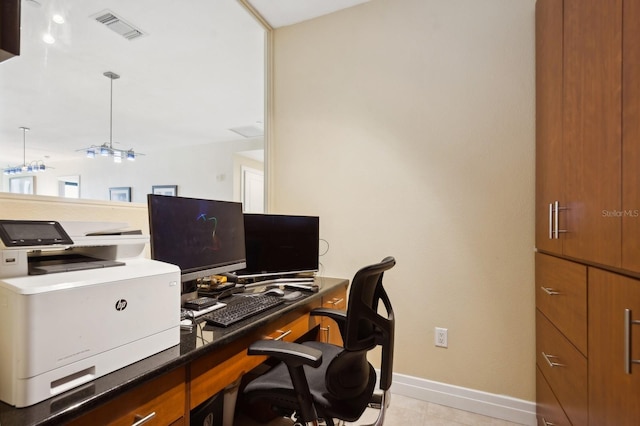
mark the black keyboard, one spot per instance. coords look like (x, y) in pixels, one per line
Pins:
(241, 308)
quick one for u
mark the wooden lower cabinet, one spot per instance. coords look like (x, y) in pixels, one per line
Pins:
(599, 385)
(161, 402)
(561, 338)
(614, 379)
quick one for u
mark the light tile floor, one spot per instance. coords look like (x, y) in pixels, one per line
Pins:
(405, 411)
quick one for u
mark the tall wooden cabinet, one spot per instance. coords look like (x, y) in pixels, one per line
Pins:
(588, 211)
(578, 128)
(549, 188)
(631, 136)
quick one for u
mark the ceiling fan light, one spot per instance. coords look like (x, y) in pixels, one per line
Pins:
(42, 167)
(107, 149)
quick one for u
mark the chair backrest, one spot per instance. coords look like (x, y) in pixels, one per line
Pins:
(365, 327)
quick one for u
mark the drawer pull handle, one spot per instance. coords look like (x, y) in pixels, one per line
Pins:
(551, 363)
(547, 423)
(550, 291)
(336, 301)
(628, 323)
(283, 335)
(142, 420)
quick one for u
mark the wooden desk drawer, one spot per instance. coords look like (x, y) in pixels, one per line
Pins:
(162, 400)
(213, 372)
(561, 295)
(549, 410)
(564, 367)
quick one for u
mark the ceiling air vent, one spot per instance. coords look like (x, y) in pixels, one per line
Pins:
(118, 25)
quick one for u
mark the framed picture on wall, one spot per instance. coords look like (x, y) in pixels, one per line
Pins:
(22, 185)
(165, 190)
(122, 193)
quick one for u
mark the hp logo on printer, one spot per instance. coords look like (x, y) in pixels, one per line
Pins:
(121, 305)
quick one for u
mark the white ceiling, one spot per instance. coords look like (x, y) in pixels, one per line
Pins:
(280, 13)
(196, 74)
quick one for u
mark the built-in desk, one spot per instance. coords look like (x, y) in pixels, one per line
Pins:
(166, 386)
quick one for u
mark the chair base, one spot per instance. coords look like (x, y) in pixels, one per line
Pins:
(379, 402)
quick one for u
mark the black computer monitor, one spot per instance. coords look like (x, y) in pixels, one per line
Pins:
(202, 237)
(280, 245)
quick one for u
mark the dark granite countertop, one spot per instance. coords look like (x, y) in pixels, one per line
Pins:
(201, 340)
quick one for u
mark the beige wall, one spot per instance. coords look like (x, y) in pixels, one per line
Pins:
(408, 127)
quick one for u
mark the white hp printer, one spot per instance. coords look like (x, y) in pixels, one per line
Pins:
(76, 306)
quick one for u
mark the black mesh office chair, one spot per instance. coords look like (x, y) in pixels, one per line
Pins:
(323, 381)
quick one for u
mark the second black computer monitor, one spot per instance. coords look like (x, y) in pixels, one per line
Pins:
(280, 245)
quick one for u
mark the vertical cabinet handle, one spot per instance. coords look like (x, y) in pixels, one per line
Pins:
(629, 322)
(554, 220)
(551, 221)
(327, 329)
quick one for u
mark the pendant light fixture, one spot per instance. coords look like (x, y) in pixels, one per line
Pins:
(107, 149)
(32, 167)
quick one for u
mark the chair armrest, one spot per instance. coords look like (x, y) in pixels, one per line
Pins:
(335, 314)
(292, 354)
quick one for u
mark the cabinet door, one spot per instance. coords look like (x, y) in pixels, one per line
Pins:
(592, 139)
(613, 393)
(548, 119)
(631, 137)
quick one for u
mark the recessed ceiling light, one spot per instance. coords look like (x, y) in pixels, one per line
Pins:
(48, 38)
(58, 19)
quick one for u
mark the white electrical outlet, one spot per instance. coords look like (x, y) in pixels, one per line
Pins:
(441, 337)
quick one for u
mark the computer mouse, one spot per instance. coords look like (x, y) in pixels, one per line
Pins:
(293, 295)
(274, 292)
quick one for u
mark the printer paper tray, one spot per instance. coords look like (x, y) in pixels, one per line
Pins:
(66, 263)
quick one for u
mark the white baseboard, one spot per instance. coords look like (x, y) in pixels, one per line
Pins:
(487, 404)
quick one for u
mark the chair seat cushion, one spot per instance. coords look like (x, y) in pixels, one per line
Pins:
(276, 387)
